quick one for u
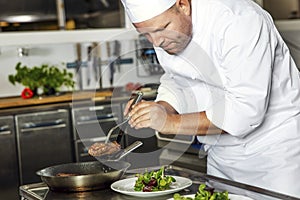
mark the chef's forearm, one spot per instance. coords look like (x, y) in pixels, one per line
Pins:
(168, 107)
(190, 124)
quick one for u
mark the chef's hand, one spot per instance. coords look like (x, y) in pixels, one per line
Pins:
(148, 114)
(162, 117)
(127, 107)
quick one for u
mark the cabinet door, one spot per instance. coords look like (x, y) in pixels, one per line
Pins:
(44, 139)
(95, 121)
(9, 181)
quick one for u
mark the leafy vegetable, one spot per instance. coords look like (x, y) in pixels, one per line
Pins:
(45, 76)
(204, 193)
(153, 181)
(179, 197)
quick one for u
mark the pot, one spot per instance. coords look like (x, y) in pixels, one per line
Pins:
(84, 176)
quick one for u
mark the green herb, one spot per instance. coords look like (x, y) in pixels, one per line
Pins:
(44, 76)
(153, 181)
(204, 193)
(179, 197)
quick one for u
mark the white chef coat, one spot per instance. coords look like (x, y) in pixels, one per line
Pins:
(238, 69)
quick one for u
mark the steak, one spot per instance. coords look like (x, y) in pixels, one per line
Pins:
(100, 148)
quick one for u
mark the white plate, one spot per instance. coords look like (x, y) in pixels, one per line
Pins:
(231, 196)
(126, 186)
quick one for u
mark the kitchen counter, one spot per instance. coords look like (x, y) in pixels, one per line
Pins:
(103, 95)
(13, 102)
(39, 191)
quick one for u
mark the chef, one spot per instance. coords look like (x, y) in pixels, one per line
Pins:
(229, 79)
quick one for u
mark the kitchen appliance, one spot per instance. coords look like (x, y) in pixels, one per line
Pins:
(91, 123)
(181, 150)
(84, 176)
(43, 140)
(9, 179)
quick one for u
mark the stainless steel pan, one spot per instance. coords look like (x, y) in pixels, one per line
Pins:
(83, 176)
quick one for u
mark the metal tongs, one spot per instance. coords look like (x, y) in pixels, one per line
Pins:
(136, 99)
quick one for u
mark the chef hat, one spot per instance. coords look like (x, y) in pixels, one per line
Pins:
(142, 10)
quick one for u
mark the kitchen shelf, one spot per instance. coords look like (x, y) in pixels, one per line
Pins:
(93, 35)
(28, 38)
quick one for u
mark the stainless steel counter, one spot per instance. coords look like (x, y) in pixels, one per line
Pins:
(39, 191)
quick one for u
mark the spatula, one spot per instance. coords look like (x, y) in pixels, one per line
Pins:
(121, 153)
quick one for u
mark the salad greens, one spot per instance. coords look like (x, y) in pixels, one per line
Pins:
(204, 193)
(153, 181)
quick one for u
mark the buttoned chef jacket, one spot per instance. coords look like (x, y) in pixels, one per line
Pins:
(239, 71)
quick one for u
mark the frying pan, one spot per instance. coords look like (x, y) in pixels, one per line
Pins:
(83, 176)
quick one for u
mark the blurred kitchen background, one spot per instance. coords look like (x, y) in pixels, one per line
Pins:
(92, 36)
(94, 40)
(63, 32)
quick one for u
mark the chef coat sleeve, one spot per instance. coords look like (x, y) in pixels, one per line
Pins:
(169, 92)
(246, 65)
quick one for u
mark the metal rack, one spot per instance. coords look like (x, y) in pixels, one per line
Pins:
(147, 63)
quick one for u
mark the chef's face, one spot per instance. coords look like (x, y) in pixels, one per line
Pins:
(172, 30)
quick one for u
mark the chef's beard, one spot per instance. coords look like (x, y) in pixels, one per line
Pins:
(180, 45)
